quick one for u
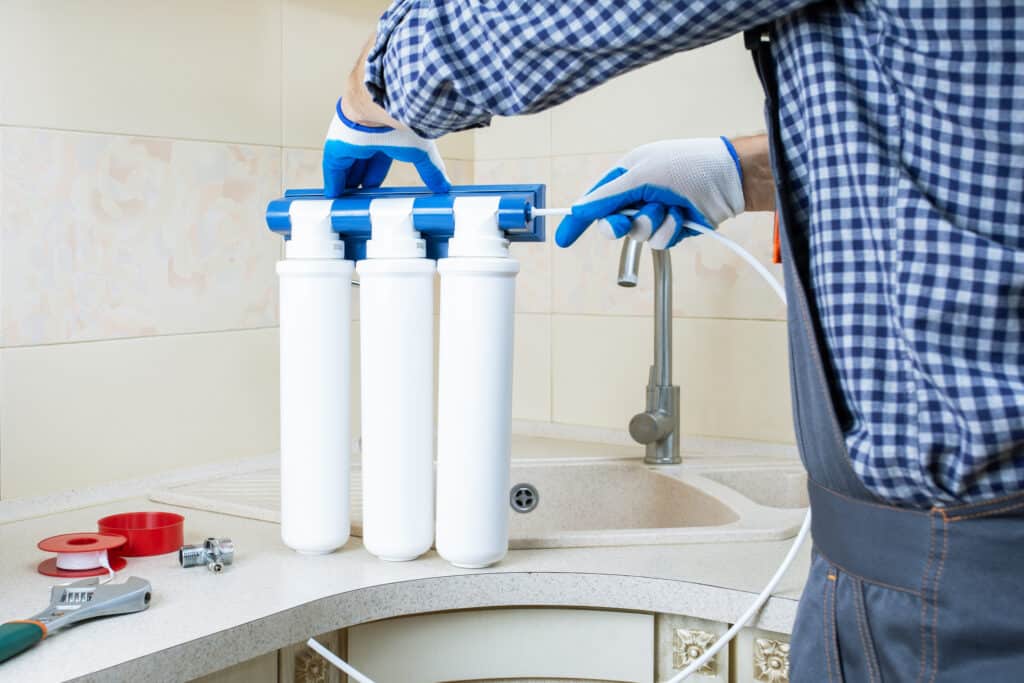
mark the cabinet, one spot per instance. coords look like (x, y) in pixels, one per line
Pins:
(507, 644)
(527, 645)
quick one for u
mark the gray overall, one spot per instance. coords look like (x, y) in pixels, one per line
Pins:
(893, 594)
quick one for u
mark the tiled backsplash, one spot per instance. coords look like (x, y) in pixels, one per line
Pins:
(110, 236)
(584, 343)
(139, 143)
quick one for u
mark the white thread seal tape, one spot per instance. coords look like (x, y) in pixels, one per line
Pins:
(84, 561)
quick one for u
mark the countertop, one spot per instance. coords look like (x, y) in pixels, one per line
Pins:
(200, 622)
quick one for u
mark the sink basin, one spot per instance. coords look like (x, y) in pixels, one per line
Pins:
(608, 503)
(586, 495)
(781, 488)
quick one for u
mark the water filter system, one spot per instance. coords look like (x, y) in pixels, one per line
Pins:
(396, 234)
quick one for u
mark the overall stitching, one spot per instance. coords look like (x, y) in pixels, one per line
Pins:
(858, 501)
(935, 601)
(865, 633)
(924, 602)
(984, 513)
(1007, 498)
(865, 579)
(826, 622)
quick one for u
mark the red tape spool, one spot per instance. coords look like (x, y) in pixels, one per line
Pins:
(148, 533)
(81, 544)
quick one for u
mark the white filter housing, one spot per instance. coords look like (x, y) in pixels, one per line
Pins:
(396, 302)
(315, 301)
(475, 388)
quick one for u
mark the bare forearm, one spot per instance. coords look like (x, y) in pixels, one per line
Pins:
(357, 103)
(758, 181)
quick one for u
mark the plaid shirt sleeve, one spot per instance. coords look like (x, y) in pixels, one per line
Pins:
(444, 65)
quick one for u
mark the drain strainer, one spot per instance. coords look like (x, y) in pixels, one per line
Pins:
(523, 497)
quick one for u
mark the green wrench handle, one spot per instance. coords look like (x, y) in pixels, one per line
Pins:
(18, 636)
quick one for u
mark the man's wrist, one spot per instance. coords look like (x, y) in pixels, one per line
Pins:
(758, 181)
(357, 104)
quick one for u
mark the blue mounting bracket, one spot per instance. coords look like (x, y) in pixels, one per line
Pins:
(433, 216)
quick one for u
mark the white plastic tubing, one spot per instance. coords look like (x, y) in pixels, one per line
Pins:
(315, 379)
(805, 528)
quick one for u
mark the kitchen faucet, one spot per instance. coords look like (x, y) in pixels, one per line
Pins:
(658, 426)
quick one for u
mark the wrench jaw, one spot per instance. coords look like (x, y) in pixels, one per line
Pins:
(88, 599)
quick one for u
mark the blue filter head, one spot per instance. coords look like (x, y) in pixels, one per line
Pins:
(433, 214)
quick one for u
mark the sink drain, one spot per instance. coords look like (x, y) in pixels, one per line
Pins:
(523, 498)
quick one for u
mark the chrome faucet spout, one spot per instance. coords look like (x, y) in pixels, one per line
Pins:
(662, 317)
(658, 426)
(629, 262)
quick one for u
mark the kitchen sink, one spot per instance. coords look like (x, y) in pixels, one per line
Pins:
(579, 494)
(780, 487)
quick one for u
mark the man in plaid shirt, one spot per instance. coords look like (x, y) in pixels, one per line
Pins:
(896, 132)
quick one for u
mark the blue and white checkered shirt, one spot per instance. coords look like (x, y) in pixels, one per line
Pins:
(903, 135)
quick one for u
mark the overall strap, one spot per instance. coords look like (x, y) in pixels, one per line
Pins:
(819, 436)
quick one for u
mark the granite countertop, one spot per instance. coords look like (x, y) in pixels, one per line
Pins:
(200, 622)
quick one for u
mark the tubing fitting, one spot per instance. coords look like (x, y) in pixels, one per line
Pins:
(215, 553)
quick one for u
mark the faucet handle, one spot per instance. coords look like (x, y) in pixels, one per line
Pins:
(651, 426)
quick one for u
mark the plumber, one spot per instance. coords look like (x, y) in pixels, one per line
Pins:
(893, 159)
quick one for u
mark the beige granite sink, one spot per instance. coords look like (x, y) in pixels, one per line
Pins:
(589, 495)
(780, 487)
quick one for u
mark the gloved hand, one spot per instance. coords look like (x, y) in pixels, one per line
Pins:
(360, 156)
(669, 184)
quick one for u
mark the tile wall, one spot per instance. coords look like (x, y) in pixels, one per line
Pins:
(584, 344)
(139, 143)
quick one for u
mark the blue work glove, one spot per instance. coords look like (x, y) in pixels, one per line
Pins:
(360, 156)
(668, 184)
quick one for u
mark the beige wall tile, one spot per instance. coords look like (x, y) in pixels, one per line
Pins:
(706, 92)
(533, 284)
(514, 138)
(109, 236)
(77, 415)
(598, 369)
(733, 374)
(457, 146)
(572, 176)
(709, 280)
(187, 69)
(322, 40)
(531, 397)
